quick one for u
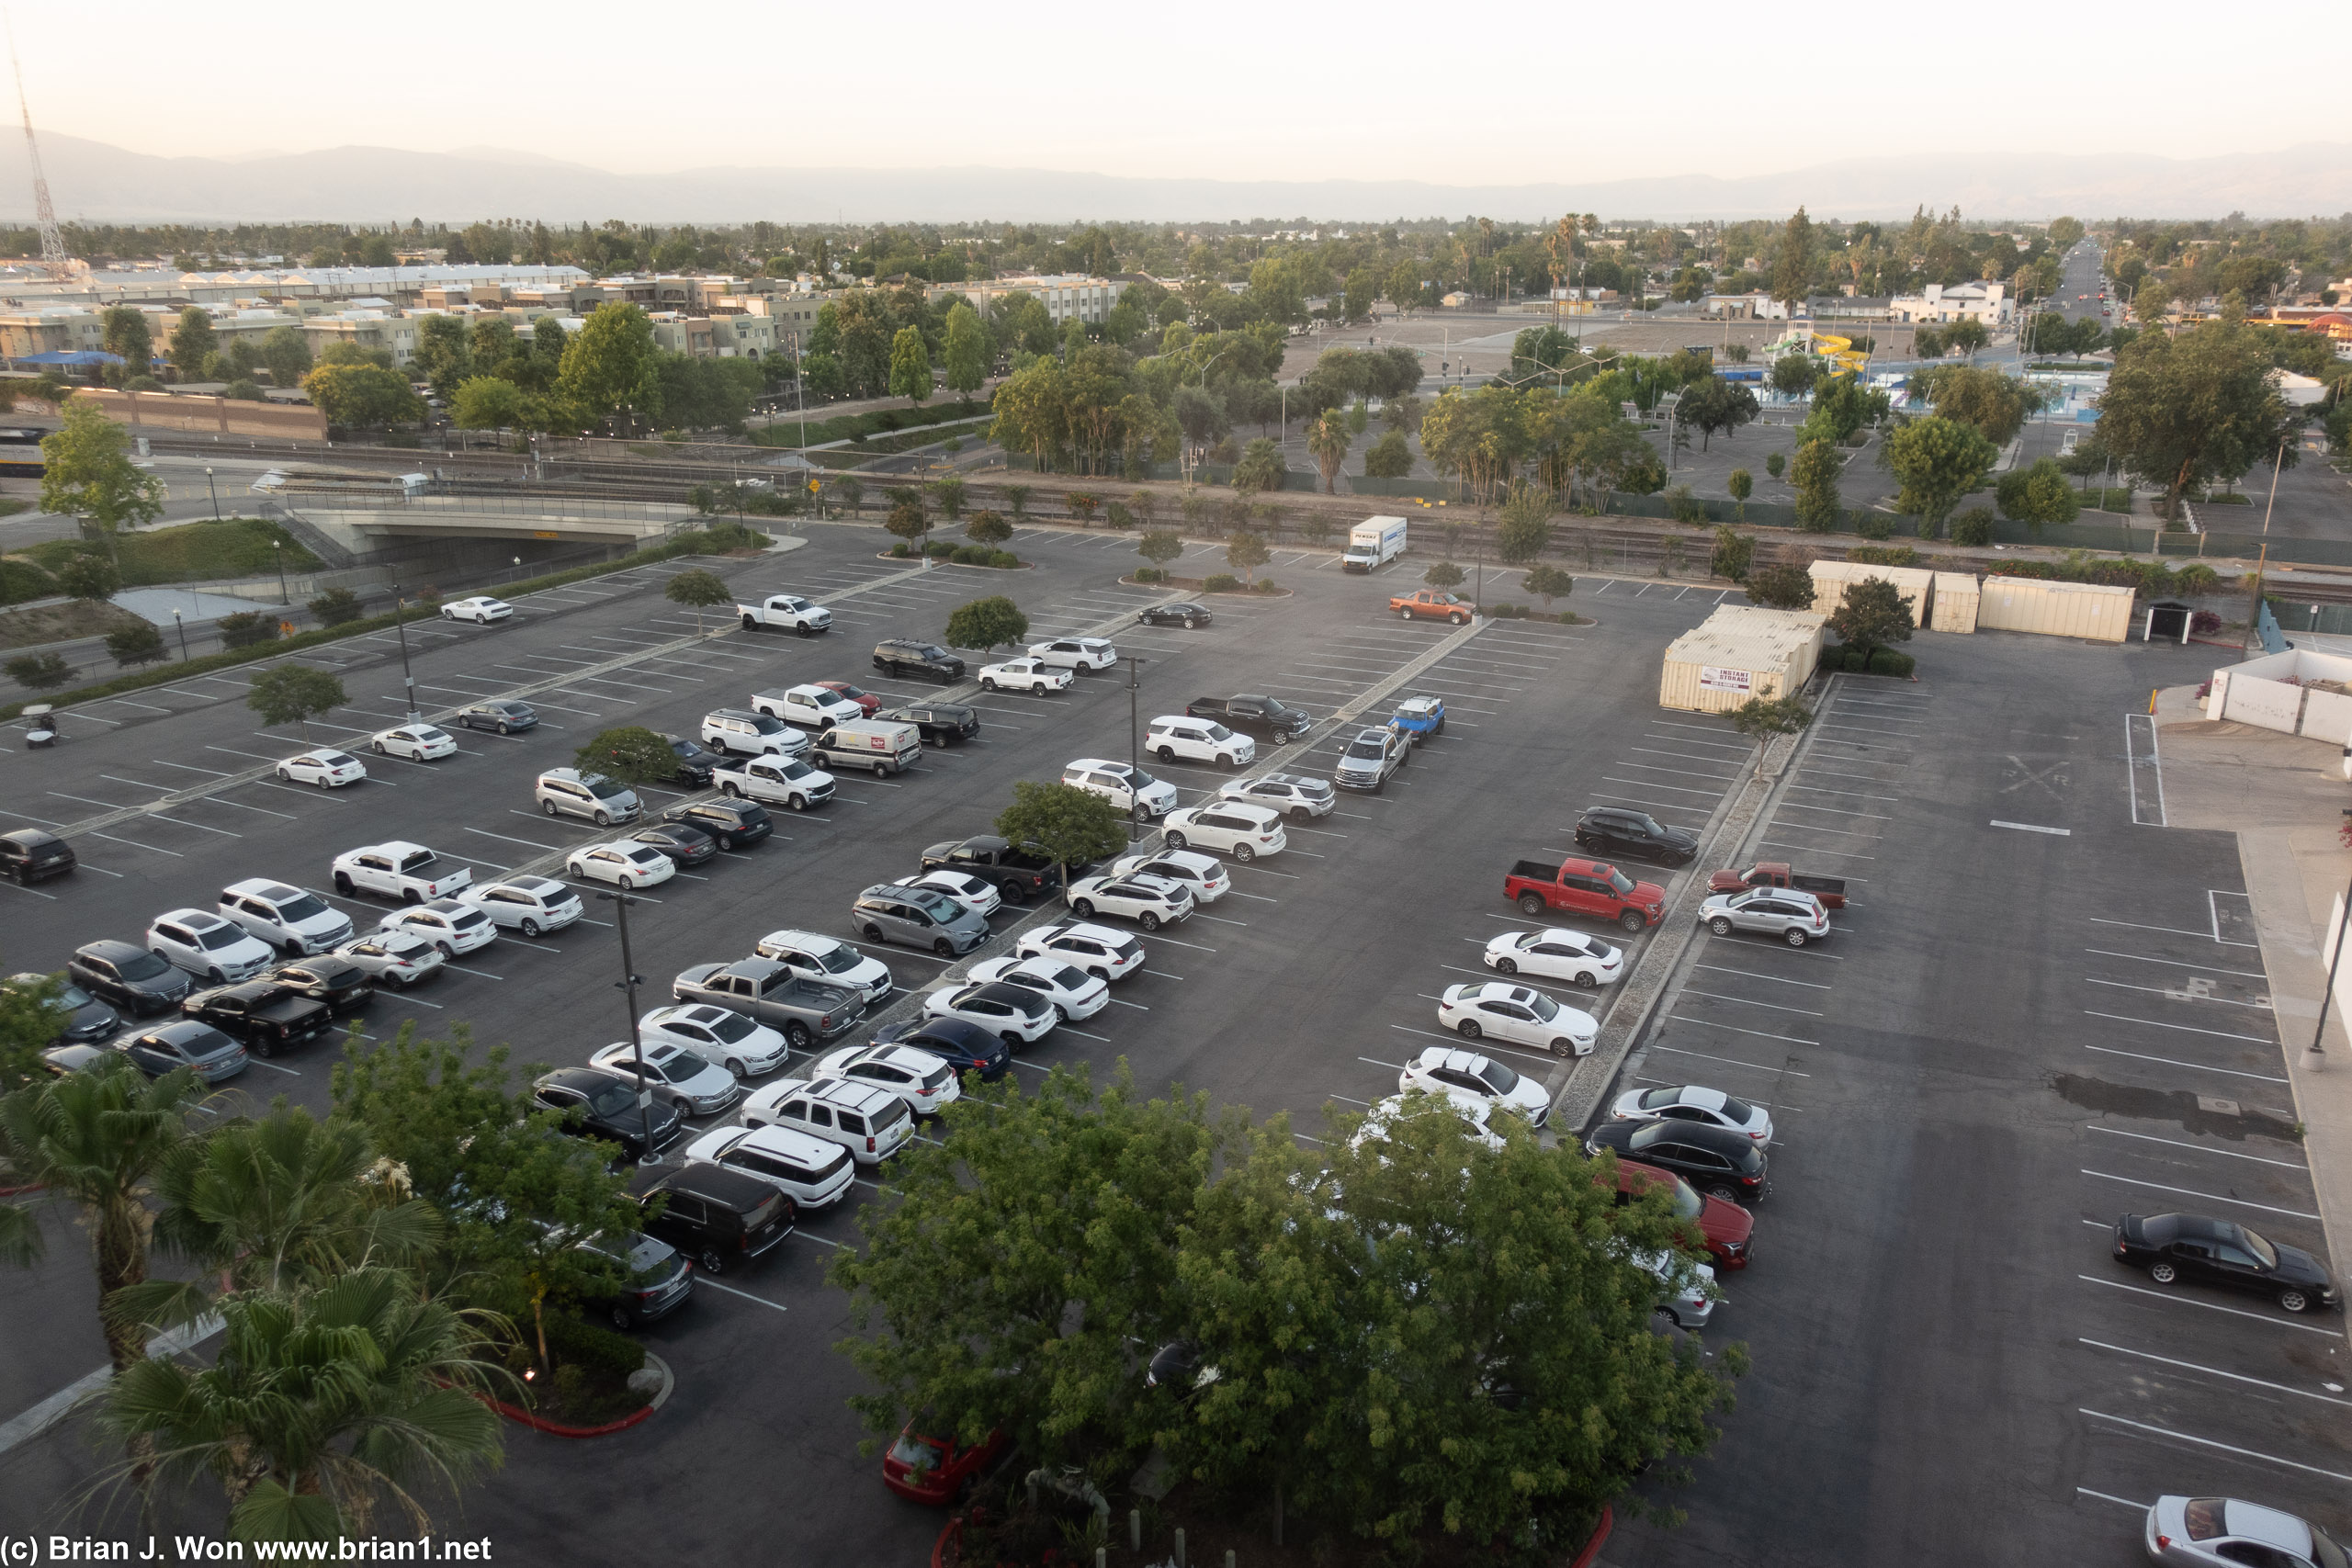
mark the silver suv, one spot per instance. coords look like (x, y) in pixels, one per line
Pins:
(1795, 917)
(569, 792)
(918, 917)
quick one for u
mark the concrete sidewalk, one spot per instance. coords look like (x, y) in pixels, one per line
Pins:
(2283, 796)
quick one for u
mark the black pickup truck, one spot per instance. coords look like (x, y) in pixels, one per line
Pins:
(1019, 874)
(1255, 714)
(265, 1016)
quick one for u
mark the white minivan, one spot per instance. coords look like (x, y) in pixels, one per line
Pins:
(1175, 734)
(878, 747)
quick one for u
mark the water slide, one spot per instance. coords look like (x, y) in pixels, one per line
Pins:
(1841, 352)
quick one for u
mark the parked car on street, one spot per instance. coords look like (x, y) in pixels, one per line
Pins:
(809, 705)
(674, 1073)
(568, 792)
(402, 958)
(1723, 1229)
(829, 961)
(922, 1080)
(1178, 736)
(184, 1043)
(1020, 873)
(940, 724)
(1420, 717)
(738, 732)
(208, 947)
(28, 856)
(1018, 1016)
(88, 1020)
(449, 925)
(1075, 994)
(965, 1047)
(730, 823)
(1432, 604)
(1124, 786)
(1084, 654)
(1204, 876)
(622, 864)
(900, 656)
(292, 920)
(1254, 714)
(397, 869)
(482, 609)
(1228, 827)
(686, 846)
(340, 983)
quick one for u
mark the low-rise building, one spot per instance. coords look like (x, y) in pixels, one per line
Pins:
(1067, 297)
(1986, 302)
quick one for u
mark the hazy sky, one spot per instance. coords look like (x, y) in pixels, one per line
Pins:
(1213, 89)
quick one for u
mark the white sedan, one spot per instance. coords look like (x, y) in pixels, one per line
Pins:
(403, 957)
(452, 927)
(2197, 1531)
(1229, 827)
(1205, 876)
(1026, 674)
(1014, 1014)
(623, 864)
(1519, 1015)
(482, 609)
(977, 894)
(1103, 953)
(720, 1036)
(1441, 1068)
(1150, 901)
(1074, 993)
(325, 767)
(701, 1089)
(1078, 653)
(1558, 955)
(1692, 1102)
(1473, 1110)
(916, 1076)
(417, 742)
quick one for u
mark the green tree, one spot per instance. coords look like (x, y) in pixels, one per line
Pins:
(32, 1015)
(193, 340)
(700, 590)
(1815, 478)
(629, 753)
(1974, 526)
(1938, 460)
(1548, 582)
(1742, 484)
(612, 366)
(90, 577)
(1327, 443)
(490, 403)
(907, 519)
(1967, 335)
(1761, 718)
(909, 366)
(363, 395)
(92, 1142)
(1794, 374)
(988, 528)
(1871, 615)
(1793, 263)
(444, 354)
(1525, 528)
(88, 476)
(1160, 546)
(246, 629)
(1245, 552)
(1775, 463)
(2182, 411)
(1732, 554)
(949, 493)
(1444, 574)
(968, 351)
(142, 644)
(125, 332)
(1389, 458)
(2066, 233)
(1068, 825)
(985, 622)
(1032, 414)
(1260, 469)
(1714, 404)
(295, 694)
(850, 490)
(39, 671)
(287, 354)
(1994, 404)
(1783, 587)
(335, 607)
(2037, 495)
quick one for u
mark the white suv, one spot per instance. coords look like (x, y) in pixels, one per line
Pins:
(289, 919)
(813, 706)
(813, 1173)
(1228, 827)
(208, 947)
(1083, 654)
(868, 1121)
(529, 904)
(1129, 789)
(733, 732)
(1198, 740)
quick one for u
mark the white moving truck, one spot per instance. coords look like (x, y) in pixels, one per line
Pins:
(1373, 542)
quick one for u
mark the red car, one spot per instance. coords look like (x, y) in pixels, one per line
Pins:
(937, 1469)
(1728, 1227)
(868, 703)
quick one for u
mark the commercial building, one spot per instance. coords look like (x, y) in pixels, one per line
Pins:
(1067, 297)
(1986, 302)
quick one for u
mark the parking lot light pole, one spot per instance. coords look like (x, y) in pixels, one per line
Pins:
(1135, 739)
(399, 624)
(278, 550)
(626, 985)
(183, 630)
(215, 489)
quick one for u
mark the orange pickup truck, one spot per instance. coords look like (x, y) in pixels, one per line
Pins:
(1432, 605)
(1830, 890)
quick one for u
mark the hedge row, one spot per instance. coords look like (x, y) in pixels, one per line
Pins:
(2153, 577)
(1867, 661)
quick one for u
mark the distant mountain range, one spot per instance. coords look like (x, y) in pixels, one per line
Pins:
(94, 180)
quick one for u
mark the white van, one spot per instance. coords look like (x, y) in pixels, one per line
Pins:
(879, 747)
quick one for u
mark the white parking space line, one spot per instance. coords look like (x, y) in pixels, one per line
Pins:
(2176, 995)
(528, 843)
(2170, 931)
(1811, 849)
(2174, 1298)
(1675, 789)
(2176, 1062)
(2210, 1443)
(2201, 1148)
(2110, 1497)
(2185, 1029)
(2176, 964)
(2192, 1192)
(1750, 974)
(2214, 1372)
(1742, 1001)
(1738, 1061)
(1816, 789)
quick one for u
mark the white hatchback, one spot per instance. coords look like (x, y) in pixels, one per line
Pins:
(1245, 832)
(720, 1036)
(1074, 993)
(326, 768)
(1026, 674)
(625, 865)
(417, 742)
(1172, 736)
(482, 609)
(1203, 875)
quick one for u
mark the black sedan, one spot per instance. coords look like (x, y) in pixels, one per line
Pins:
(684, 844)
(1184, 613)
(728, 822)
(696, 760)
(500, 715)
(128, 975)
(1718, 1161)
(966, 1047)
(2189, 1248)
(342, 984)
(598, 1104)
(87, 1017)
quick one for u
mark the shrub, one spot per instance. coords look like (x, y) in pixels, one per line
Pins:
(1265, 585)
(1974, 526)
(1886, 661)
(1898, 555)
(1118, 516)
(900, 550)
(1684, 507)
(1002, 558)
(1508, 612)
(246, 628)
(583, 1344)
(938, 549)
(1874, 525)
(969, 555)
(1221, 582)
(1150, 574)
(335, 606)
(142, 644)
(1776, 463)
(21, 582)
(41, 672)
(2204, 623)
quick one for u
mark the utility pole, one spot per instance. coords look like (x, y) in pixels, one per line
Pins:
(2277, 463)
(399, 624)
(215, 489)
(1134, 735)
(627, 985)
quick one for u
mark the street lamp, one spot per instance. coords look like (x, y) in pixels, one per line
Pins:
(277, 552)
(183, 630)
(1134, 738)
(399, 624)
(627, 985)
(215, 489)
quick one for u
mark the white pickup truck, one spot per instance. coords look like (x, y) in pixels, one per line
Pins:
(774, 781)
(398, 870)
(787, 611)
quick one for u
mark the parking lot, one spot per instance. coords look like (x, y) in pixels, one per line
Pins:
(2002, 1045)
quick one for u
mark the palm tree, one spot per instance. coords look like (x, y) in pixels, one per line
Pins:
(325, 1401)
(1327, 443)
(96, 1141)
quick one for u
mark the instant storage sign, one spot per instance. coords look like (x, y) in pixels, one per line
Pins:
(1716, 678)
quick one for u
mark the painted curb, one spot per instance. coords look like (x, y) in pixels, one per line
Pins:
(557, 1430)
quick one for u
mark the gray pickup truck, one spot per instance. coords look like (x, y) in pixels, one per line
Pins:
(766, 992)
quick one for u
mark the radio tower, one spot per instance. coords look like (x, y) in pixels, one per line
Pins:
(52, 243)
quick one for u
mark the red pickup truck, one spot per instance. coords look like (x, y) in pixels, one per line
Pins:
(1830, 890)
(1586, 888)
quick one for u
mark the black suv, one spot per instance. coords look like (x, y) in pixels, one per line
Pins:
(28, 856)
(607, 1107)
(1615, 831)
(1718, 1161)
(720, 1218)
(1018, 873)
(732, 822)
(695, 761)
(1253, 712)
(943, 724)
(128, 975)
(899, 656)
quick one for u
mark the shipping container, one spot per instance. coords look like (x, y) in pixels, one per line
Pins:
(1830, 578)
(1955, 606)
(2097, 611)
(1740, 651)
